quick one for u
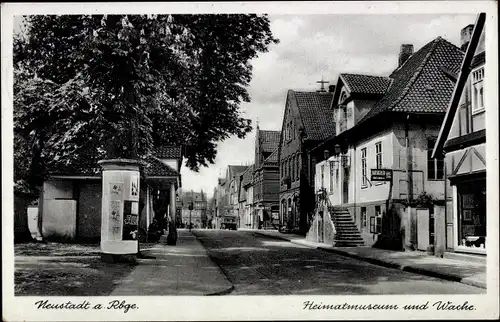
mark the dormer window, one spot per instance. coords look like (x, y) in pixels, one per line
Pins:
(343, 97)
(477, 90)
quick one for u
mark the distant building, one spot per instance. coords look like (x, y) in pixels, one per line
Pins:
(308, 120)
(266, 178)
(246, 202)
(198, 214)
(227, 203)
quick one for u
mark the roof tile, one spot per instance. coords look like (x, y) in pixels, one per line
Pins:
(269, 140)
(365, 84)
(316, 113)
(168, 152)
(420, 85)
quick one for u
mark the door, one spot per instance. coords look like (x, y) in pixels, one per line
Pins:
(423, 222)
(89, 211)
(345, 186)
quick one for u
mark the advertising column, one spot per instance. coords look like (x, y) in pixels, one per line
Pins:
(120, 209)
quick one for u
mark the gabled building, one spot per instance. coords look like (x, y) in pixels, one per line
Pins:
(197, 216)
(462, 142)
(377, 171)
(266, 178)
(219, 201)
(307, 121)
(246, 207)
(227, 193)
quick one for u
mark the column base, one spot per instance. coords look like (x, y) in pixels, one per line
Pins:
(119, 258)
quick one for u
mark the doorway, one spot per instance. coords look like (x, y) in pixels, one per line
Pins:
(423, 222)
(345, 186)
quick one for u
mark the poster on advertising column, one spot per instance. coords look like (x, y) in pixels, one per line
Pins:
(115, 213)
(115, 210)
(134, 187)
(130, 220)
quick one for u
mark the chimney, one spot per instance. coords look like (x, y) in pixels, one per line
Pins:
(465, 36)
(405, 53)
(331, 88)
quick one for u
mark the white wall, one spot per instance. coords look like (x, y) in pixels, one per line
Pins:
(373, 191)
(59, 218)
(171, 162)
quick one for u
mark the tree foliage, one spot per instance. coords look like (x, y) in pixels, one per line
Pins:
(88, 87)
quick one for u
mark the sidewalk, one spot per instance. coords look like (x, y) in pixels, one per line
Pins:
(184, 269)
(458, 270)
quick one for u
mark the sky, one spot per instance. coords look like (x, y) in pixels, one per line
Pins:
(316, 46)
(313, 47)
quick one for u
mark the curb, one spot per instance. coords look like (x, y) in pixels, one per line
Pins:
(379, 262)
(224, 291)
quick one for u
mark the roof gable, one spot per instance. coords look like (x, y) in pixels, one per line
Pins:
(365, 84)
(268, 140)
(235, 169)
(157, 168)
(248, 176)
(421, 85)
(316, 114)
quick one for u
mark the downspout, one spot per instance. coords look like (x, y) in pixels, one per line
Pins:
(408, 161)
(445, 211)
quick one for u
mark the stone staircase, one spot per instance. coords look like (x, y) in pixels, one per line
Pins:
(347, 233)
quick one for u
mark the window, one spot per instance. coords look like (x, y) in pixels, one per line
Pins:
(477, 90)
(331, 176)
(378, 155)
(322, 176)
(288, 171)
(363, 216)
(435, 167)
(363, 167)
(292, 174)
(343, 97)
(298, 167)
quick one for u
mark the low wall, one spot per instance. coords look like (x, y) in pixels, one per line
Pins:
(59, 219)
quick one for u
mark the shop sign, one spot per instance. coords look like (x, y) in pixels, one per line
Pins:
(381, 175)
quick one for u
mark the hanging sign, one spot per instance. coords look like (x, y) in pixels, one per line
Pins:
(381, 175)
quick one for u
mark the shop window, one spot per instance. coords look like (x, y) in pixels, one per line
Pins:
(363, 216)
(472, 214)
(435, 166)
